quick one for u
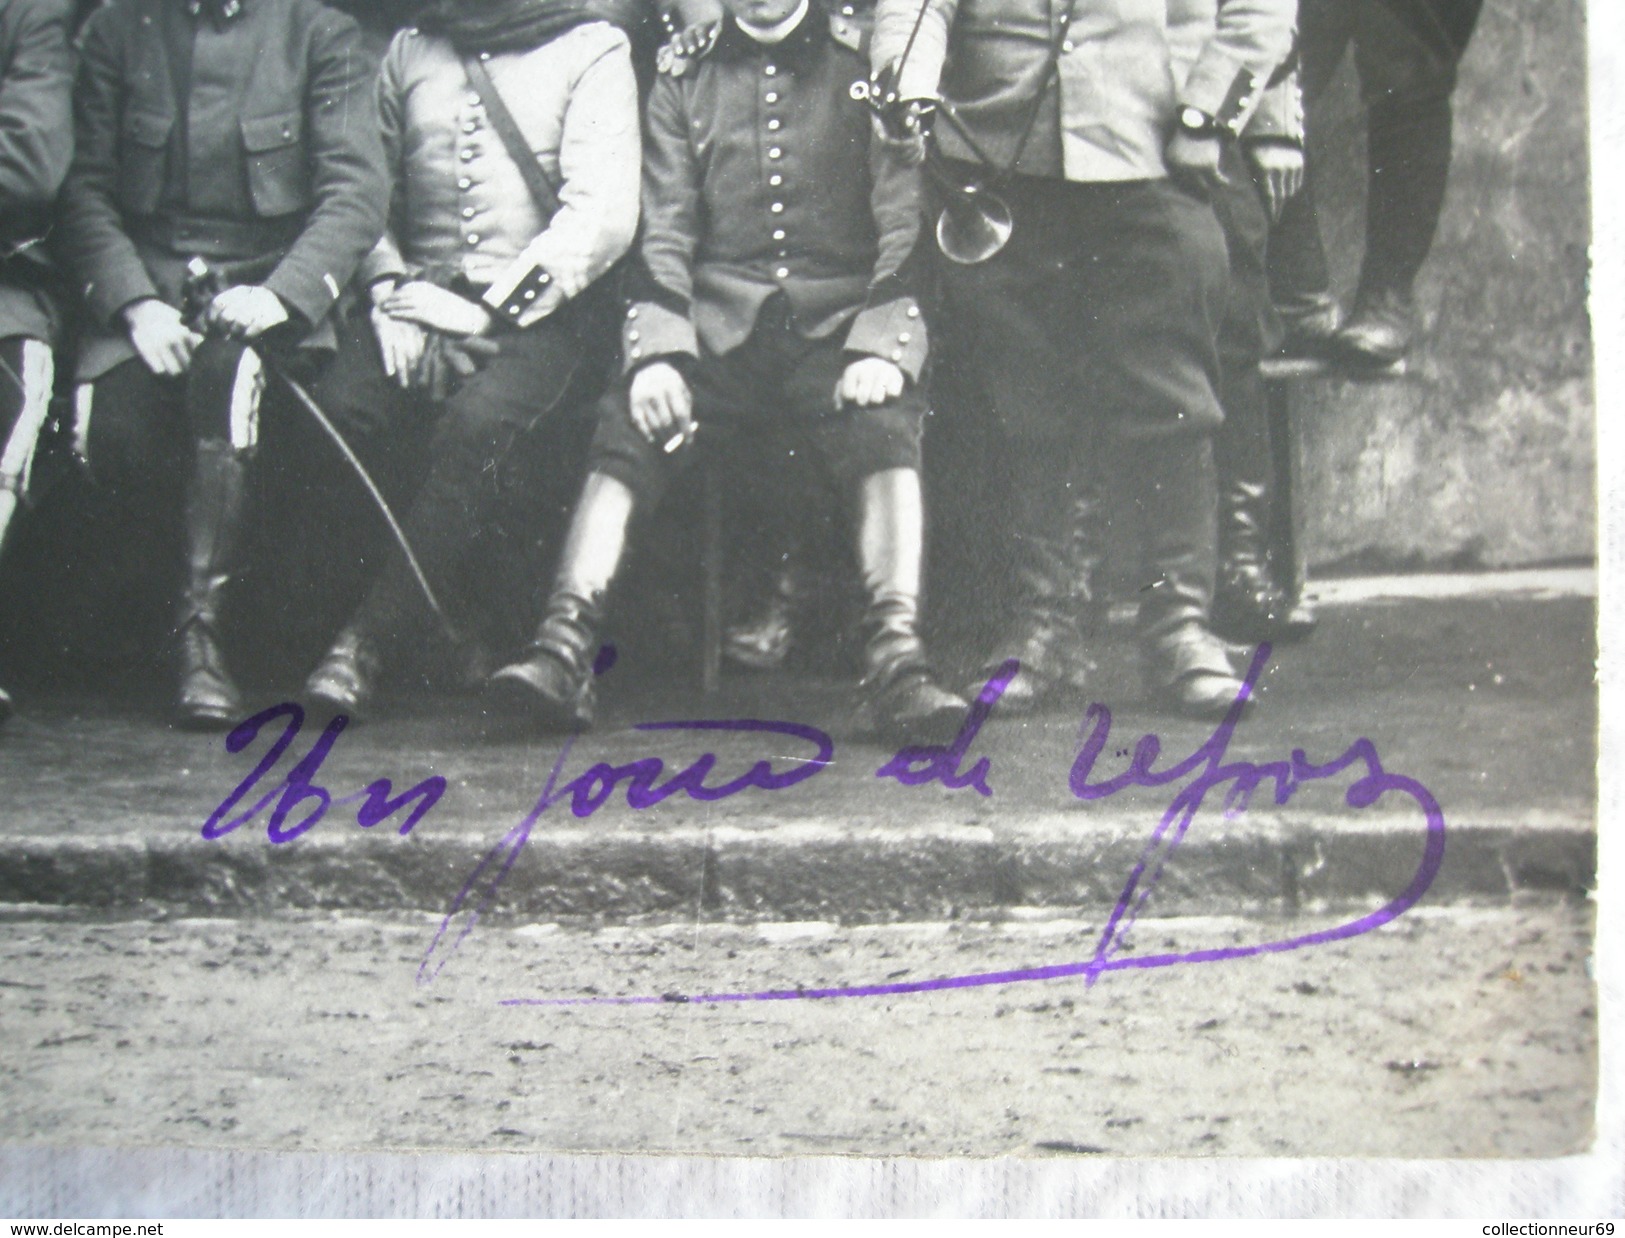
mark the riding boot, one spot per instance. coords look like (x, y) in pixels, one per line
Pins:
(1248, 606)
(1060, 541)
(345, 679)
(215, 501)
(1184, 665)
(552, 687)
(907, 704)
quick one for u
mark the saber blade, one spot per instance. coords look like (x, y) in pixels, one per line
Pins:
(308, 403)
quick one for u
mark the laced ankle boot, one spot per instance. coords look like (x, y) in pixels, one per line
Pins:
(343, 681)
(552, 686)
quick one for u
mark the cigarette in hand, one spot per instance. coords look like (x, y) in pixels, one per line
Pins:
(679, 439)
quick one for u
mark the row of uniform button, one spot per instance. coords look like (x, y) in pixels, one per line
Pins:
(775, 179)
(467, 155)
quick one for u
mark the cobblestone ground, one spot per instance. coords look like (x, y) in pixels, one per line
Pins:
(1453, 1032)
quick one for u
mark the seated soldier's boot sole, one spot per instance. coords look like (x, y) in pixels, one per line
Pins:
(542, 693)
(338, 687)
(208, 706)
(207, 699)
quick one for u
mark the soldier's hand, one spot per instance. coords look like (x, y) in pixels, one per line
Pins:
(662, 404)
(430, 305)
(869, 382)
(1193, 162)
(1278, 172)
(400, 346)
(245, 312)
(161, 337)
(432, 375)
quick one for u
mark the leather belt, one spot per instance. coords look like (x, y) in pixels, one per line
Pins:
(217, 238)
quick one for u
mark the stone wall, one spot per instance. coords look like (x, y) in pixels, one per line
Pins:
(1485, 455)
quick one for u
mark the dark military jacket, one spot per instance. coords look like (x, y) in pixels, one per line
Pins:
(36, 141)
(270, 155)
(761, 174)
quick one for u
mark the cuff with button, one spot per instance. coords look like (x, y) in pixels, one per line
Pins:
(652, 332)
(895, 331)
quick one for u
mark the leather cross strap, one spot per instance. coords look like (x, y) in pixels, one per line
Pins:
(513, 140)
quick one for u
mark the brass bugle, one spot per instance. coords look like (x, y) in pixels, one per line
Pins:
(975, 221)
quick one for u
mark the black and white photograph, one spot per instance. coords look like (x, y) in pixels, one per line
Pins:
(796, 579)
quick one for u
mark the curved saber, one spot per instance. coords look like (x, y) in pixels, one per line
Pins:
(360, 470)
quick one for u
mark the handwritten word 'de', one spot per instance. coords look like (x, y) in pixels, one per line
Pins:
(917, 765)
(299, 788)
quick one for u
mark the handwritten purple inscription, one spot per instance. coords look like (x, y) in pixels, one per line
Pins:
(1205, 771)
(644, 783)
(299, 787)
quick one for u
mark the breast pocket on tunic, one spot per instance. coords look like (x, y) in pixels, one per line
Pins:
(142, 157)
(278, 178)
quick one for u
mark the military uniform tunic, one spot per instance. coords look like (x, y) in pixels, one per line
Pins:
(778, 244)
(270, 157)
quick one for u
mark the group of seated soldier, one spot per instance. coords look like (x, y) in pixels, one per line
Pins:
(248, 211)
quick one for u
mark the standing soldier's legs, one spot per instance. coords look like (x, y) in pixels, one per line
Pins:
(1029, 328)
(1111, 293)
(1406, 52)
(127, 429)
(27, 373)
(528, 381)
(1156, 363)
(1300, 278)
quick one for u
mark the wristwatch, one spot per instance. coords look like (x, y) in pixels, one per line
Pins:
(1195, 123)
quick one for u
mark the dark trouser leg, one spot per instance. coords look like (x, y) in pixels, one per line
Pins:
(475, 431)
(27, 371)
(1407, 52)
(1410, 144)
(552, 686)
(1300, 279)
(1248, 606)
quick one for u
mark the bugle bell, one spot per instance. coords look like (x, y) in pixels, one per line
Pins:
(974, 224)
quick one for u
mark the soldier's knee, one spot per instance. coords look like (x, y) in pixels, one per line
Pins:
(224, 389)
(32, 368)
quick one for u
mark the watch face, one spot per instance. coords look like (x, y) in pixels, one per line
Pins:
(1192, 118)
